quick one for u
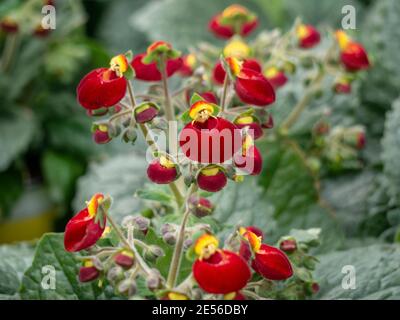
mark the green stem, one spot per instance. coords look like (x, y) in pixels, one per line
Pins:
(169, 110)
(178, 251)
(224, 92)
(8, 51)
(304, 101)
(132, 247)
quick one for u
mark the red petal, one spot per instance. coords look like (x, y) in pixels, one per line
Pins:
(251, 162)
(354, 57)
(311, 40)
(212, 183)
(222, 273)
(98, 89)
(149, 72)
(87, 274)
(159, 174)
(253, 88)
(82, 232)
(256, 128)
(279, 80)
(220, 30)
(272, 263)
(214, 141)
(249, 27)
(218, 73)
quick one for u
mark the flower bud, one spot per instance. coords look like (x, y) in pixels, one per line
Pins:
(169, 238)
(167, 227)
(101, 135)
(127, 287)
(115, 274)
(146, 112)
(200, 206)
(9, 25)
(138, 222)
(129, 135)
(153, 280)
(187, 243)
(125, 259)
(97, 112)
(288, 245)
(88, 272)
(153, 252)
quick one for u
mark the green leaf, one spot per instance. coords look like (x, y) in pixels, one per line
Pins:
(50, 252)
(11, 188)
(195, 97)
(60, 173)
(14, 260)
(120, 177)
(155, 193)
(16, 131)
(376, 271)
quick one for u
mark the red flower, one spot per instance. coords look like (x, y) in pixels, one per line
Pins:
(82, 231)
(218, 73)
(342, 87)
(124, 259)
(162, 171)
(101, 88)
(88, 272)
(146, 112)
(361, 140)
(308, 36)
(249, 160)
(211, 179)
(234, 19)
(100, 135)
(272, 263)
(188, 64)
(218, 271)
(253, 88)
(8, 25)
(41, 32)
(255, 129)
(245, 249)
(150, 72)
(201, 207)
(209, 96)
(276, 77)
(209, 139)
(288, 245)
(352, 54)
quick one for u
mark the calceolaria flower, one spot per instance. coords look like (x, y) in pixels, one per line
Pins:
(276, 77)
(216, 270)
(308, 36)
(352, 54)
(235, 19)
(208, 138)
(250, 122)
(188, 65)
(342, 86)
(104, 87)
(101, 135)
(218, 73)
(249, 159)
(200, 206)
(146, 112)
(9, 25)
(84, 229)
(268, 261)
(212, 178)
(147, 65)
(162, 170)
(88, 272)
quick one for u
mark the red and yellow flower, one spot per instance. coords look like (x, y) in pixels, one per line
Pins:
(308, 36)
(352, 54)
(276, 77)
(235, 19)
(209, 139)
(218, 73)
(83, 230)
(216, 270)
(188, 65)
(162, 170)
(88, 272)
(250, 122)
(249, 159)
(212, 179)
(104, 87)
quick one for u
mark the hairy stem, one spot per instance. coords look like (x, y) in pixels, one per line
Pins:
(8, 51)
(169, 110)
(178, 251)
(224, 92)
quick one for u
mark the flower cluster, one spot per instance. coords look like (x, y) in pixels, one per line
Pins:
(223, 110)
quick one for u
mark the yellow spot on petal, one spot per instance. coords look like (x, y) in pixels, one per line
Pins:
(205, 246)
(88, 263)
(177, 296)
(302, 31)
(234, 10)
(237, 49)
(235, 65)
(201, 111)
(190, 60)
(230, 296)
(93, 204)
(106, 231)
(244, 120)
(166, 163)
(343, 39)
(103, 128)
(254, 241)
(271, 72)
(119, 64)
(210, 171)
(127, 253)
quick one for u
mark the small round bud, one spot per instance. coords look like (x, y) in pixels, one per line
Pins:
(153, 252)
(115, 273)
(141, 223)
(125, 259)
(169, 238)
(127, 287)
(168, 227)
(187, 243)
(288, 245)
(129, 135)
(200, 206)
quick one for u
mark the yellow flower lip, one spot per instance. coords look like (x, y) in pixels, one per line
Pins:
(253, 240)
(166, 163)
(271, 72)
(88, 263)
(93, 204)
(302, 31)
(210, 171)
(158, 45)
(177, 296)
(205, 246)
(201, 111)
(119, 64)
(190, 60)
(235, 65)
(244, 120)
(237, 49)
(234, 10)
(343, 39)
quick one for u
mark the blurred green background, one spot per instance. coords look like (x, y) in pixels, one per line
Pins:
(48, 159)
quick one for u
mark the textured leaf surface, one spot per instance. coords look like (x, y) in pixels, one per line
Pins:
(376, 270)
(50, 252)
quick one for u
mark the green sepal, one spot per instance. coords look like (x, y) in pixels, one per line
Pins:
(226, 67)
